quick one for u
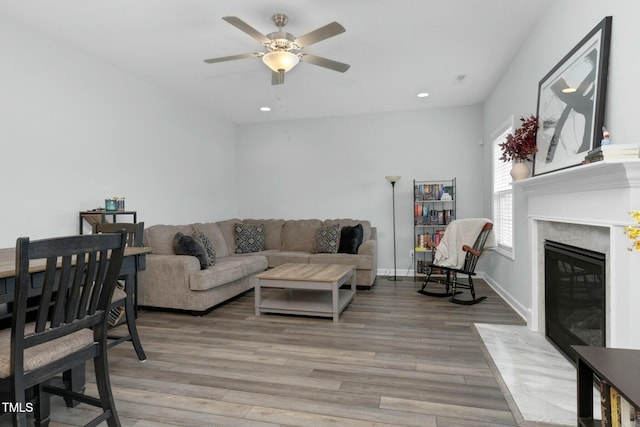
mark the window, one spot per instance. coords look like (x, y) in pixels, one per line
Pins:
(502, 195)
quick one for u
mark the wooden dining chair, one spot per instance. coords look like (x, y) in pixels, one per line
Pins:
(124, 300)
(67, 323)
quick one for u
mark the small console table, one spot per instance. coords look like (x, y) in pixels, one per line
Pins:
(620, 368)
(97, 216)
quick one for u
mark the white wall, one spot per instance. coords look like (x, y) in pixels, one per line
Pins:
(335, 168)
(560, 29)
(74, 131)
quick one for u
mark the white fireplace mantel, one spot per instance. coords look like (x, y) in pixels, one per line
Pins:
(603, 175)
(599, 194)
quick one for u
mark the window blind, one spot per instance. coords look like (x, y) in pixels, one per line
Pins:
(502, 195)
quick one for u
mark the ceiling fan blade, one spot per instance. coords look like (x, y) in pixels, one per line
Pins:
(324, 62)
(233, 57)
(322, 33)
(246, 28)
(277, 78)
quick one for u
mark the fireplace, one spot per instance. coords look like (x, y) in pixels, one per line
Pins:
(575, 305)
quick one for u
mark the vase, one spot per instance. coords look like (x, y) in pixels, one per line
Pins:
(519, 170)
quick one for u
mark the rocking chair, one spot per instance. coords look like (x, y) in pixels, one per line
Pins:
(450, 281)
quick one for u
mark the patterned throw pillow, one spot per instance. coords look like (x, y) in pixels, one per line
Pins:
(327, 239)
(249, 238)
(206, 243)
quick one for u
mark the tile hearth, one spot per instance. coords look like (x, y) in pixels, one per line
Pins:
(538, 382)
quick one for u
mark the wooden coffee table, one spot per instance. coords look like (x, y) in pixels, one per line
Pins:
(308, 289)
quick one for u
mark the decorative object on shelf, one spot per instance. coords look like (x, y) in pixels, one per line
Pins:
(393, 179)
(605, 137)
(520, 146)
(633, 231)
(519, 170)
(111, 204)
(571, 103)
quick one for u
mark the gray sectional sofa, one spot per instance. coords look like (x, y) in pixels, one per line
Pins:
(178, 282)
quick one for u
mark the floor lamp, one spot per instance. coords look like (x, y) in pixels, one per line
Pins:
(393, 179)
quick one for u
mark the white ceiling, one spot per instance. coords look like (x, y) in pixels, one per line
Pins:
(396, 49)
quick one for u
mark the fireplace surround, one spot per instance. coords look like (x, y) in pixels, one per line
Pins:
(586, 206)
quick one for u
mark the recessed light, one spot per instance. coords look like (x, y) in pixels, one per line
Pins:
(423, 94)
(265, 108)
(569, 90)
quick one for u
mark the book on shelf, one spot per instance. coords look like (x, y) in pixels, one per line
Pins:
(427, 192)
(422, 240)
(614, 397)
(605, 403)
(613, 152)
(627, 413)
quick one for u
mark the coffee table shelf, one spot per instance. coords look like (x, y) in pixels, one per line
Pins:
(307, 289)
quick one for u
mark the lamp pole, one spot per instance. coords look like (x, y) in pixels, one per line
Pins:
(393, 179)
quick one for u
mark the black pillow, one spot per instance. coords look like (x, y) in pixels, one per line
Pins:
(350, 239)
(188, 245)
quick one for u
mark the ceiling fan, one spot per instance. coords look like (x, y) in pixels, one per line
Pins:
(284, 50)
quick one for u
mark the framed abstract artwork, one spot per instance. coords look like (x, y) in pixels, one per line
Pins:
(571, 103)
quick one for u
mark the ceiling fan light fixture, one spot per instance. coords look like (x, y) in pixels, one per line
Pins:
(280, 60)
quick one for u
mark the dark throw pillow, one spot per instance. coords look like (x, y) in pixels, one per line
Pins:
(350, 239)
(188, 245)
(327, 239)
(249, 238)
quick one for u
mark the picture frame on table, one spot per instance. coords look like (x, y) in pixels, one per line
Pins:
(571, 103)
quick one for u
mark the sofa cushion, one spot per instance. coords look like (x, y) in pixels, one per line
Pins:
(227, 270)
(160, 237)
(300, 234)
(206, 244)
(327, 239)
(227, 228)
(188, 245)
(350, 239)
(362, 262)
(272, 231)
(277, 258)
(249, 238)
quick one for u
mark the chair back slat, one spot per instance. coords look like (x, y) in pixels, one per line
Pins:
(47, 293)
(61, 300)
(76, 289)
(99, 278)
(87, 279)
(470, 259)
(80, 275)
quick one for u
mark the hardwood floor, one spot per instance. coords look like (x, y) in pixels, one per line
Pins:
(396, 358)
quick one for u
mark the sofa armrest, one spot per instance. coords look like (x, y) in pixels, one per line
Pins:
(164, 277)
(368, 248)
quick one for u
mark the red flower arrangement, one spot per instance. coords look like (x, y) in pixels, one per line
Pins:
(521, 145)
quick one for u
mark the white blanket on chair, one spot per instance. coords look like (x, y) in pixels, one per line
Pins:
(460, 232)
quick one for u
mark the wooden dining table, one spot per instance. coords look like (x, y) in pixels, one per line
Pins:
(134, 260)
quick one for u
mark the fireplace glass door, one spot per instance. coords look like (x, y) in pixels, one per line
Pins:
(574, 297)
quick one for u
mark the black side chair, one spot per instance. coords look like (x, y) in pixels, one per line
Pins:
(69, 324)
(124, 301)
(450, 282)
